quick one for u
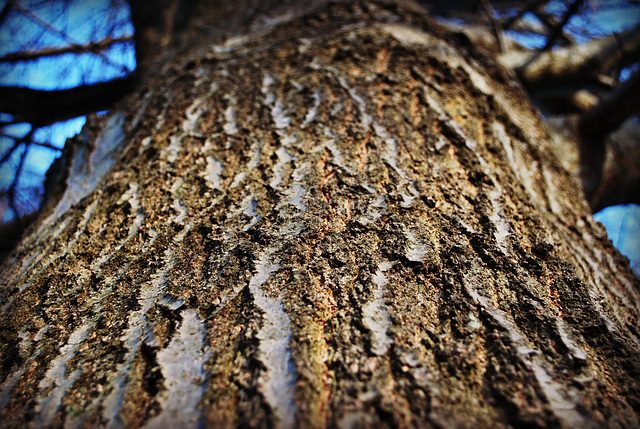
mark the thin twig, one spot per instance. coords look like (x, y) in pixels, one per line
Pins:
(497, 24)
(22, 139)
(35, 18)
(549, 21)
(557, 31)
(91, 47)
(11, 192)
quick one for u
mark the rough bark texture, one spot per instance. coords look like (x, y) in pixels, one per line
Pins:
(344, 218)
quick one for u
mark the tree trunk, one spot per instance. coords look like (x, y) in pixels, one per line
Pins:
(345, 217)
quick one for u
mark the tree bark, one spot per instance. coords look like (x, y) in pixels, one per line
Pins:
(346, 217)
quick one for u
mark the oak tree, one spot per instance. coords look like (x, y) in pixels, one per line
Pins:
(324, 214)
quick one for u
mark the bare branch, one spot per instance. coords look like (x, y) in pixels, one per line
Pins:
(497, 25)
(614, 109)
(576, 64)
(11, 192)
(550, 21)
(44, 24)
(557, 31)
(564, 100)
(41, 22)
(29, 141)
(91, 47)
(40, 107)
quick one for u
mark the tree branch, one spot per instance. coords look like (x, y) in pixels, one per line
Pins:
(613, 110)
(557, 31)
(576, 64)
(549, 21)
(46, 25)
(92, 47)
(497, 25)
(29, 141)
(40, 107)
(41, 22)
